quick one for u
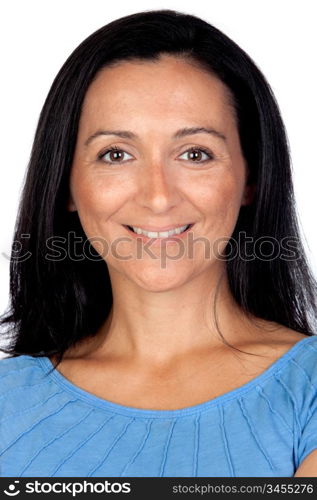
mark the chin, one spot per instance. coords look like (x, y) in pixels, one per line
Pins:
(158, 287)
(159, 280)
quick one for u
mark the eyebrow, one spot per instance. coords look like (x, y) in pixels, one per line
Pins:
(183, 132)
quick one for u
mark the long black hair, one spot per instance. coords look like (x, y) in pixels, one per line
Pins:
(56, 302)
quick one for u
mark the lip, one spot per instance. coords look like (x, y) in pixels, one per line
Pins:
(161, 229)
(157, 241)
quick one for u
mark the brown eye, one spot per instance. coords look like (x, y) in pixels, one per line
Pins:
(199, 155)
(115, 155)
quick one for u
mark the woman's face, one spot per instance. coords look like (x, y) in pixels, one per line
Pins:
(154, 180)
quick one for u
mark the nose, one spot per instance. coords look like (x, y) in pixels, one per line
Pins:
(157, 189)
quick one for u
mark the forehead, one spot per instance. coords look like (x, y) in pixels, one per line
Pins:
(170, 86)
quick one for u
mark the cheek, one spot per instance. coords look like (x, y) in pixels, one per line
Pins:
(97, 195)
(220, 200)
(97, 199)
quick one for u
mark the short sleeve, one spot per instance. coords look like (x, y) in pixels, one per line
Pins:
(308, 439)
(308, 436)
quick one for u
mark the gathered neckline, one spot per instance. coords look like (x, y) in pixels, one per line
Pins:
(105, 404)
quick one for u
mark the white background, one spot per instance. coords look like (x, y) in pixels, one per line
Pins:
(37, 36)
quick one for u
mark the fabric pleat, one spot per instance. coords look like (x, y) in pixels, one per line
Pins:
(50, 427)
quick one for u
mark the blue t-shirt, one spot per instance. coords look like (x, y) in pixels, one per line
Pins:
(50, 427)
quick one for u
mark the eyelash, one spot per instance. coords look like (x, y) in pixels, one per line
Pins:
(189, 150)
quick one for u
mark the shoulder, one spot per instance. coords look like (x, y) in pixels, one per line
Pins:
(291, 357)
(297, 353)
(12, 368)
(21, 379)
(273, 340)
(303, 355)
(23, 370)
(297, 375)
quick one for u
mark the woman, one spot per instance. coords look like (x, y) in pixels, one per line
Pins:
(182, 353)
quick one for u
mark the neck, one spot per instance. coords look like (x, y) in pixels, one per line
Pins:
(156, 328)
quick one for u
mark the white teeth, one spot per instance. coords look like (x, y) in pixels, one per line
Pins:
(162, 234)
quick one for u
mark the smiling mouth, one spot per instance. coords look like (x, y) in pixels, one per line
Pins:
(188, 227)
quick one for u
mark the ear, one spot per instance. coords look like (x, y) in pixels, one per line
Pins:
(71, 207)
(249, 192)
